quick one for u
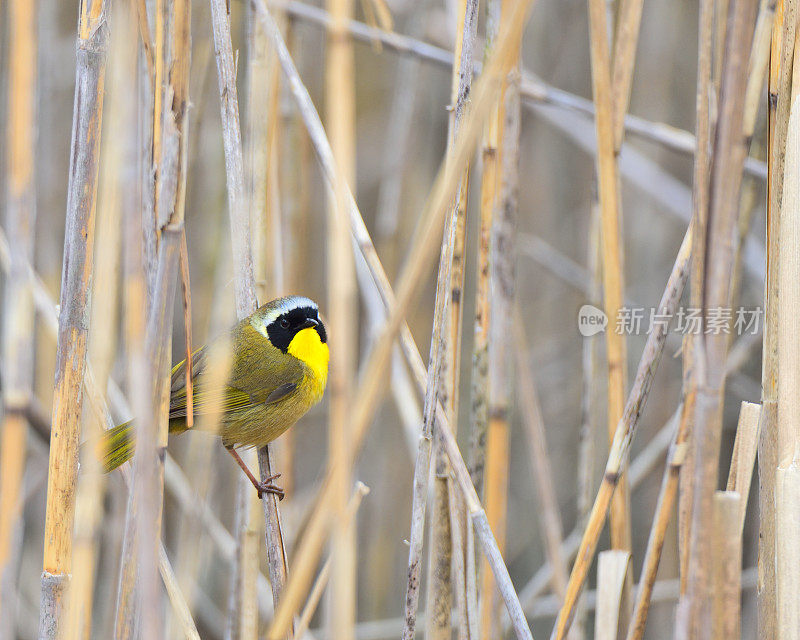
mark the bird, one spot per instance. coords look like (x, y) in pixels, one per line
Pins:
(279, 368)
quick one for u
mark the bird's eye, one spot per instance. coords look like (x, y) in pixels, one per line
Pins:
(284, 323)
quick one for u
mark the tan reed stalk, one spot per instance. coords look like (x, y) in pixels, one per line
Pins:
(17, 328)
(170, 131)
(72, 332)
(612, 569)
(118, 149)
(710, 349)
(626, 36)
(340, 100)
(726, 566)
(787, 481)
(624, 434)
(552, 529)
(743, 458)
(610, 216)
(489, 452)
(783, 35)
(420, 255)
(503, 282)
(248, 554)
(241, 239)
(438, 385)
(701, 186)
(700, 196)
(445, 513)
(490, 160)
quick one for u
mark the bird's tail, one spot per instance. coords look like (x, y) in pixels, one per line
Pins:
(117, 446)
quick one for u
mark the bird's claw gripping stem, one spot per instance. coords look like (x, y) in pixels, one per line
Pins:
(266, 486)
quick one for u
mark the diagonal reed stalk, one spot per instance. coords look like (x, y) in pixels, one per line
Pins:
(419, 259)
(623, 436)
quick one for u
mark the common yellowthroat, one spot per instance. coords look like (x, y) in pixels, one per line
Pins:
(279, 368)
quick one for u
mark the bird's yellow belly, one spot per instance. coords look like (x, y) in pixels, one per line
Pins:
(260, 425)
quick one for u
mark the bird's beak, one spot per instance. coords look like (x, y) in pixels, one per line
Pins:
(310, 322)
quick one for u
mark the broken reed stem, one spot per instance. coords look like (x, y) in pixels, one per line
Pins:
(782, 45)
(613, 568)
(17, 328)
(625, 431)
(741, 471)
(241, 240)
(343, 323)
(75, 304)
(710, 348)
(610, 217)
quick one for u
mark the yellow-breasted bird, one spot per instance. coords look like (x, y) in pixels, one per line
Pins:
(279, 368)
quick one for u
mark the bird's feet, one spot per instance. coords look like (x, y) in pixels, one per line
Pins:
(267, 486)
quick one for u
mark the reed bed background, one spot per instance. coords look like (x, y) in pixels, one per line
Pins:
(479, 468)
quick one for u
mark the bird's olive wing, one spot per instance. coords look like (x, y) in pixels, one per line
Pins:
(210, 400)
(281, 392)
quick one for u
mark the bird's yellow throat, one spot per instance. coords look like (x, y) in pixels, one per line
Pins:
(307, 347)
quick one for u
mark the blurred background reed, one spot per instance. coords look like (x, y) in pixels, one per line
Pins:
(195, 182)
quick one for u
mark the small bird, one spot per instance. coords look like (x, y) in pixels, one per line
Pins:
(279, 368)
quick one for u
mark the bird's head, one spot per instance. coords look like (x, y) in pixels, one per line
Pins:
(292, 324)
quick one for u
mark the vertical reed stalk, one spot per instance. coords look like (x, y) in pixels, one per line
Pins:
(787, 485)
(710, 349)
(780, 74)
(17, 327)
(75, 305)
(340, 123)
(700, 190)
(170, 134)
(118, 151)
(610, 215)
(501, 296)
(446, 518)
(241, 239)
